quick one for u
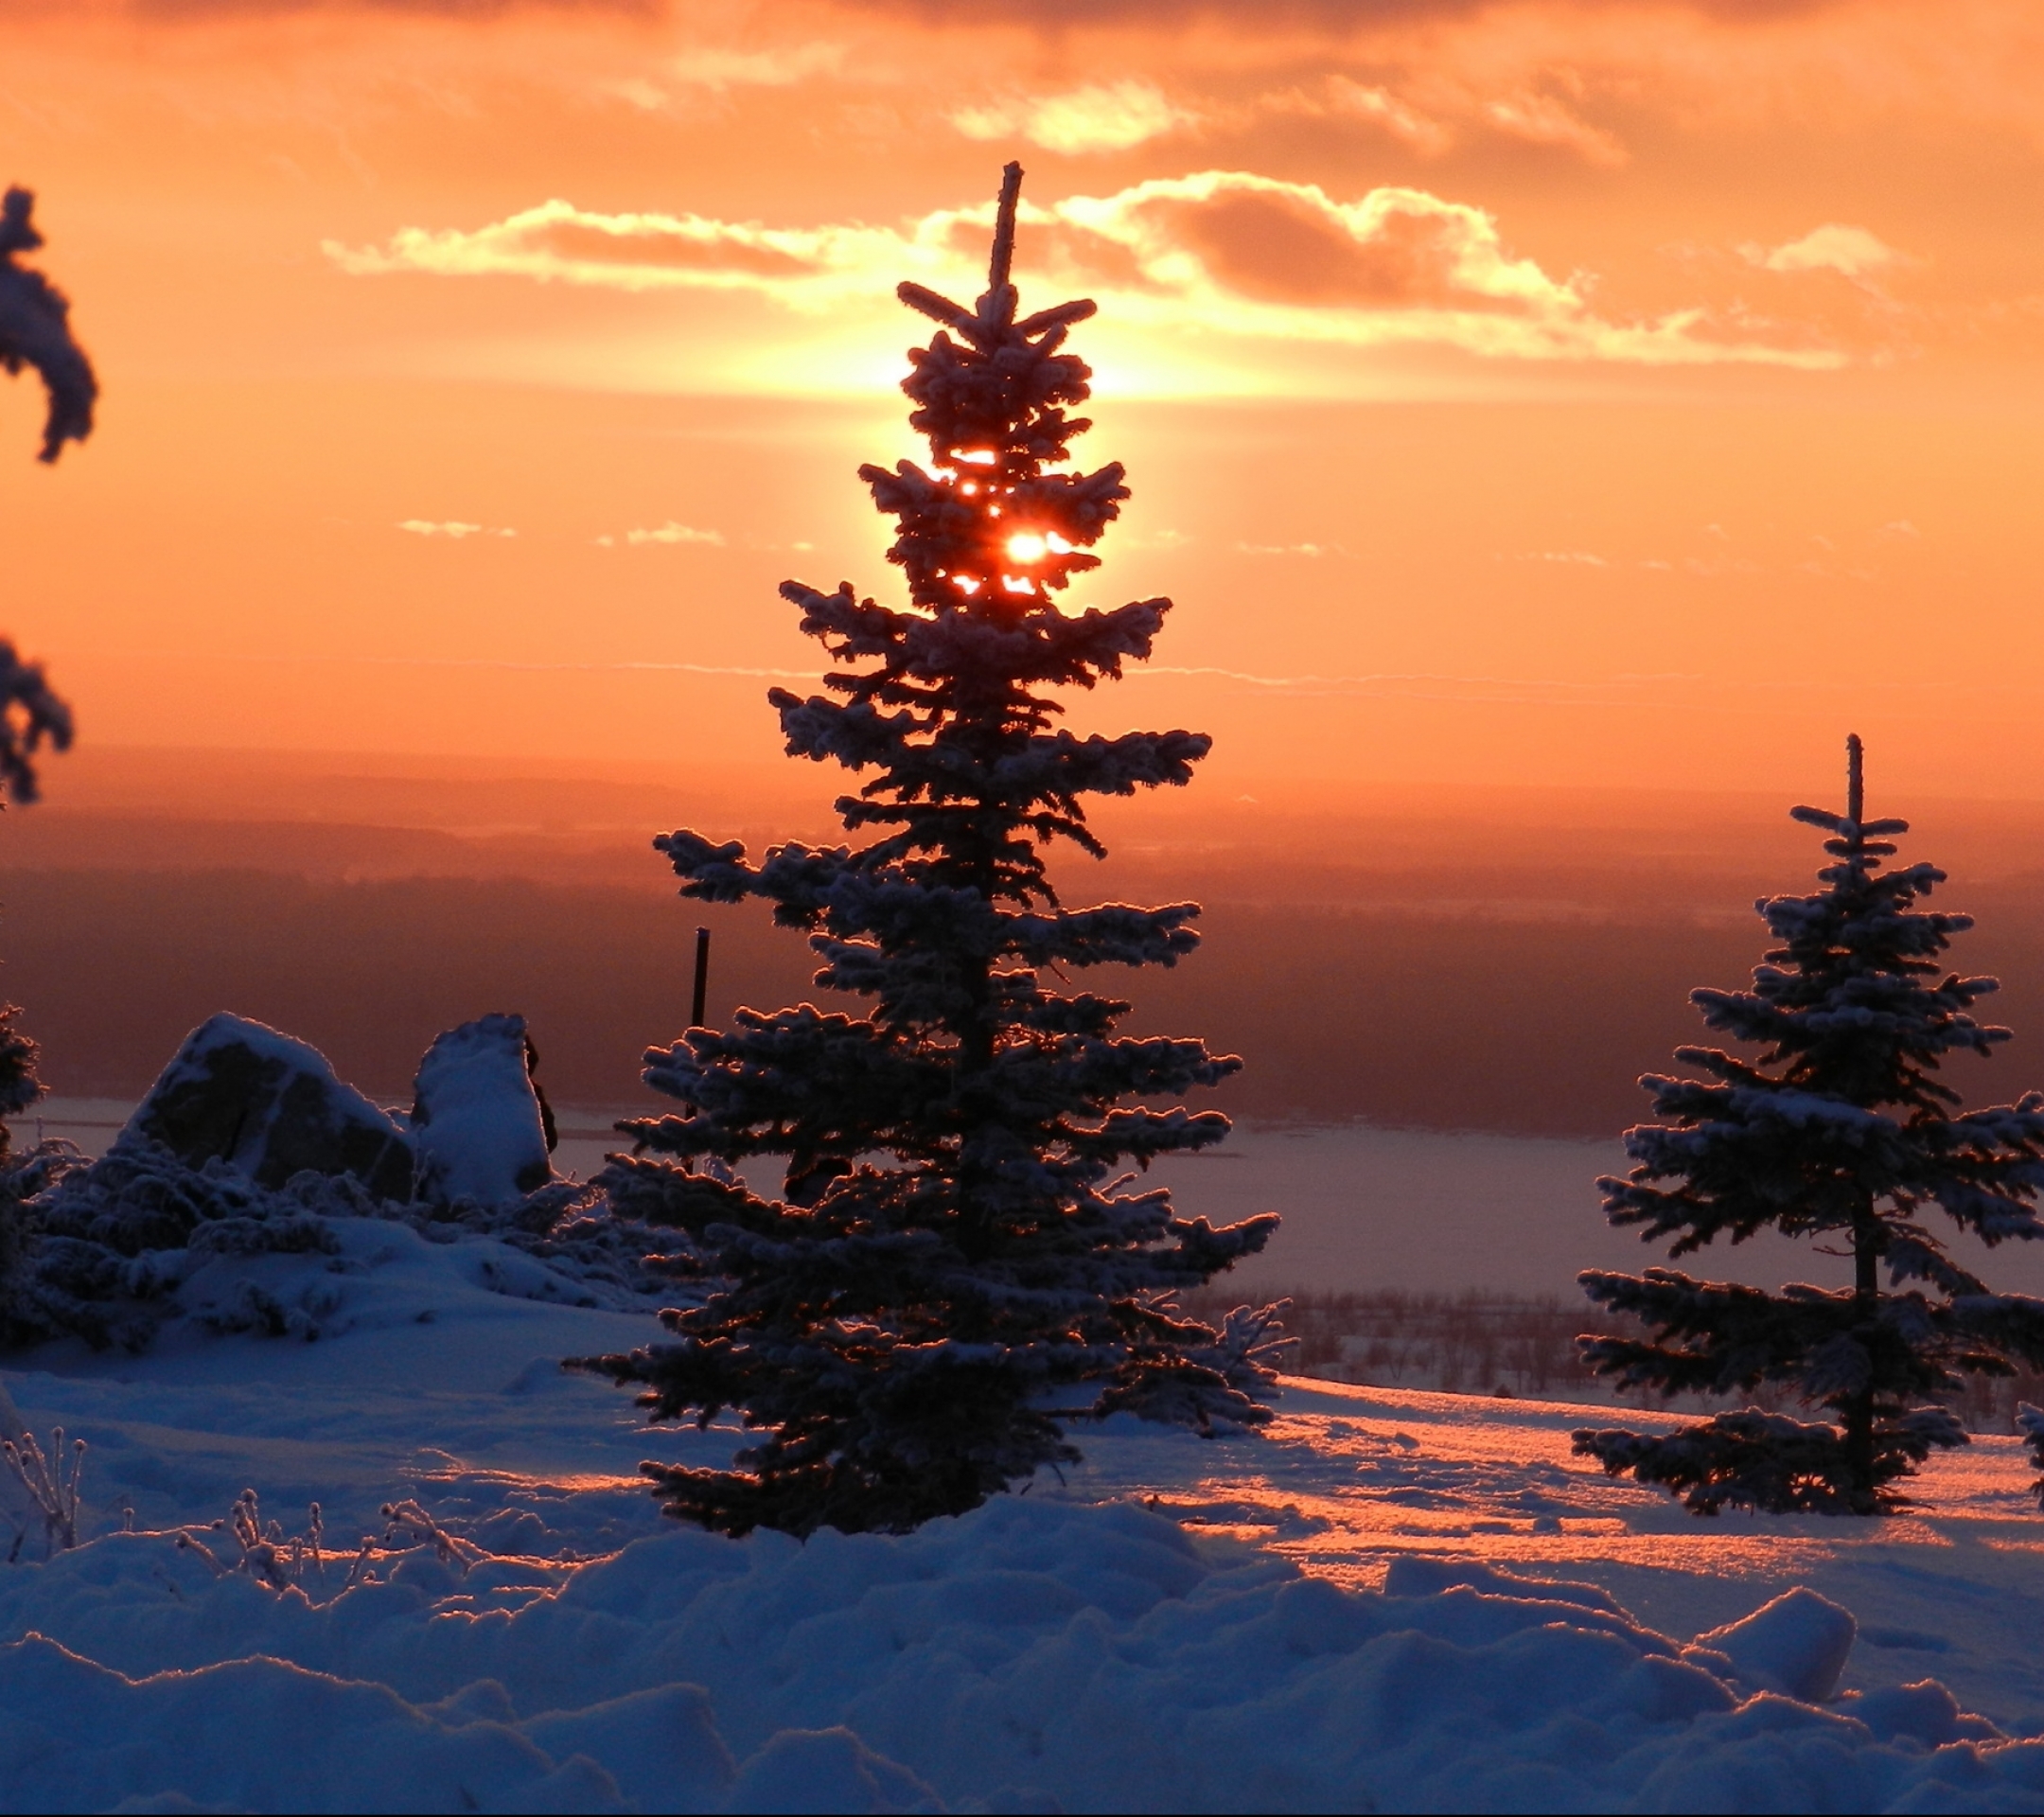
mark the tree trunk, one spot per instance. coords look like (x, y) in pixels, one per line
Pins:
(1859, 1407)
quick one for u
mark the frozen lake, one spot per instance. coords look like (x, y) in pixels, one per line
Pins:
(1364, 1207)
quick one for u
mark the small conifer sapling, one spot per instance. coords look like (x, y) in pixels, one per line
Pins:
(959, 1269)
(1841, 1133)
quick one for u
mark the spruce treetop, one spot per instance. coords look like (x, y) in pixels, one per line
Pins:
(957, 1268)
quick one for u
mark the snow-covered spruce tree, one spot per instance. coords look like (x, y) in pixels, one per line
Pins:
(955, 1273)
(1835, 1132)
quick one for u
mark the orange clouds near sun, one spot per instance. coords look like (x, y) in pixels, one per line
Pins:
(1553, 391)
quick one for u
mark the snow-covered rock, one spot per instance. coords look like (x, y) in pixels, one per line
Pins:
(480, 1126)
(269, 1107)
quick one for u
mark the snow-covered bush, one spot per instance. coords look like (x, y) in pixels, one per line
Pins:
(112, 1250)
(1839, 1132)
(957, 1271)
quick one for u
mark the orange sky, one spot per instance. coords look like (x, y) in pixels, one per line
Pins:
(1604, 393)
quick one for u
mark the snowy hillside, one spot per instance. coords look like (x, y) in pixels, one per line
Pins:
(1350, 1611)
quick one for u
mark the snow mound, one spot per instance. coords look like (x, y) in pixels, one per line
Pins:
(480, 1126)
(1796, 1644)
(1031, 1656)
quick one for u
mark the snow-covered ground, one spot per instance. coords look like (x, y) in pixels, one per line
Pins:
(1392, 1601)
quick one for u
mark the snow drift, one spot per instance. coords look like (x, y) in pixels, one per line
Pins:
(1031, 1655)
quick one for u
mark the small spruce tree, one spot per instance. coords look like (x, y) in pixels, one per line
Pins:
(1837, 1132)
(955, 1272)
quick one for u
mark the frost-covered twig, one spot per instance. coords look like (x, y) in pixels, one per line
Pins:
(53, 1489)
(266, 1553)
(410, 1522)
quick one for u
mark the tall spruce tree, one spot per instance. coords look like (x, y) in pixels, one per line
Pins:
(1837, 1132)
(958, 1270)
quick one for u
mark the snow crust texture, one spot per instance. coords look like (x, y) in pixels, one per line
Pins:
(1031, 1655)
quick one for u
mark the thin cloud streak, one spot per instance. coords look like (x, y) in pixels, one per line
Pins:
(454, 530)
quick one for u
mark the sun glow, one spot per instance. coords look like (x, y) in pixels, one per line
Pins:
(1026, 546)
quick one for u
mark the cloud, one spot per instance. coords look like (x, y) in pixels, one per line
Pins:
(469, 11)
(1834, 247)
(451, 528)
(714, 67)
(1312, 549)
(1101, 117)
(1545, 119)
(1379, 107)
(671, 532)
(1221, 252)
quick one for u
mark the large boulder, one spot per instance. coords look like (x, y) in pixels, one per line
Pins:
(482, 1128)
(270, 1107)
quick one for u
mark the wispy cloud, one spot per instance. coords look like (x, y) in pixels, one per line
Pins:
(1378, 106)
(710, 66)
(1852, 251)
(1221, 252)
(1101, 117)
(451, 528)
(1311, 549)
(1540, 118)
(669, 532)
